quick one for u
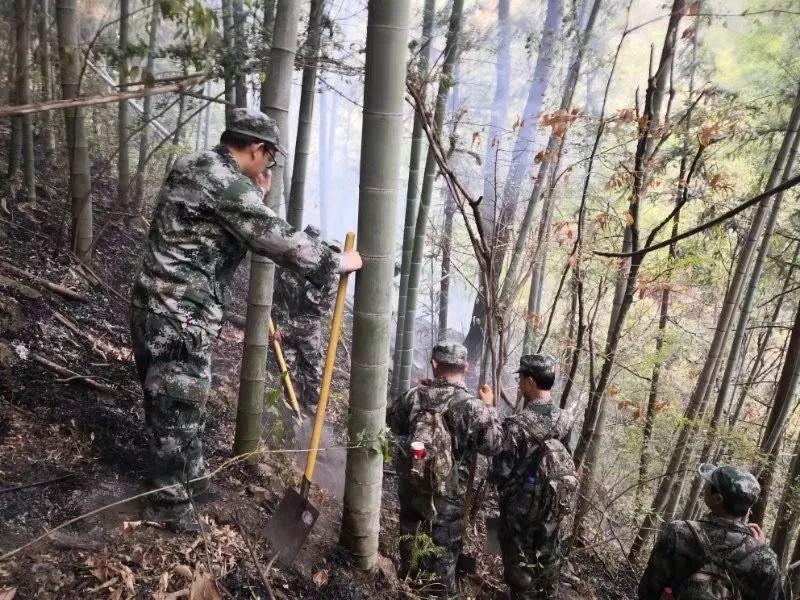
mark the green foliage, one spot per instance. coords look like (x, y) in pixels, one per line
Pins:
(421, 545)
(379, 443)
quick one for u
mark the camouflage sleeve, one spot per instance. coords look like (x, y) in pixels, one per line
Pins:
(658, 573)
(768, 577)
(479, 427)
(503, 464)
(399, 412)
(240, 209)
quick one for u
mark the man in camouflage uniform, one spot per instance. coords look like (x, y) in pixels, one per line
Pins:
(474, 427)
(298, 311)
(210, 212)
(729, 494)
(531, 547)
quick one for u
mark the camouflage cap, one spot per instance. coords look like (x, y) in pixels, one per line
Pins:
(256, 124)
(446, 353)
(535, 363)
(739, 488)
(312, 231)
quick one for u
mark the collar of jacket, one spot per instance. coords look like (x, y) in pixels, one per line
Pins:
(726, 522)
(227, 157)
(441, 382)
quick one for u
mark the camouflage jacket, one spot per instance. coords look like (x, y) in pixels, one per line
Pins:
(677, 555)
(207, 217)
(298, 306)
(523, 433)
(473, 426)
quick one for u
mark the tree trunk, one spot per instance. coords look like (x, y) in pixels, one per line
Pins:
(137, 202)
(239, 21)
(384, 92)
(786, 521)
(46, 119)
(178, 134)
(123, 128)
(721, 331)
(510, 282)
(267, 27)
(75, 129)
(412, 190)
(498, 222)
(262, 270)
(294, 212)
(228, 60)
(735, 352)
(445, 83)
(449, 213)
(324, 163)
(589, 445)
(23, 9)
(15, 139)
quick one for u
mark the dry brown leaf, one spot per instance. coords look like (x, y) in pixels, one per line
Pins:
(688, 32)
(629, 219)
(321, 577)
(538, 157)
(8, 593)
(183, 571)
(204, 587)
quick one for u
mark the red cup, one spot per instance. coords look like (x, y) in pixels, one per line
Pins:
(417, 449)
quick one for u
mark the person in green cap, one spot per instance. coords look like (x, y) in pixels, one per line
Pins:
(209, 213)
(719, 556)
(441, 426)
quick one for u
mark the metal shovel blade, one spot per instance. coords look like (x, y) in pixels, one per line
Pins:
(290, 525)
(492, 545)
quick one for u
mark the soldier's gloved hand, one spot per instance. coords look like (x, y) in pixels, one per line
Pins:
(275, 336)
(263, 182)
(755, 530)
(351, 261)
(486, 395)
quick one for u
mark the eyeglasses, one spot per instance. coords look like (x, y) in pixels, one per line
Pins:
(272, 153)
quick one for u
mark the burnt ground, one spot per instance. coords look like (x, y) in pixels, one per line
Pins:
(86, 448)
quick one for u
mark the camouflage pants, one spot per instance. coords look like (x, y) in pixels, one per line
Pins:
(439, 519)
(531, 558)
(174, 366)
(304, 361)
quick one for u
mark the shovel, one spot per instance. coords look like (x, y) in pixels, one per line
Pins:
(295, 516)
(287, 382)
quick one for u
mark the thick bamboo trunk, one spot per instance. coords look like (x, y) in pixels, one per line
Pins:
(75, 129)
(123, 126)
(228, 60)
(384, 92)
(428, 179)
(786, 520)
(262, 270)
(23, 9)
(46, 121)
(294, 212)
(412, 192)
(267, 26)
(240, 48)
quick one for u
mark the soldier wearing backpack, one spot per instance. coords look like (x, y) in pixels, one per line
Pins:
(537, 484)
(441, 425)
(719, 557)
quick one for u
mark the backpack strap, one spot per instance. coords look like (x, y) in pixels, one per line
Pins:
(732, 558)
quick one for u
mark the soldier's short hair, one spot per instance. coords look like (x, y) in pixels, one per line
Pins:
(540, 367)
(240, 141)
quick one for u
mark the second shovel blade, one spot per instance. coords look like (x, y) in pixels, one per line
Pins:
(290, 525)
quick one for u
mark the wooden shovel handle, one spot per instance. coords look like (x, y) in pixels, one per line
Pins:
(287, 381)
(327, 375)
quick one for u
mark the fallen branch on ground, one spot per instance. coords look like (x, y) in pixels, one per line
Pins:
(71, 376)
(53, 287)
